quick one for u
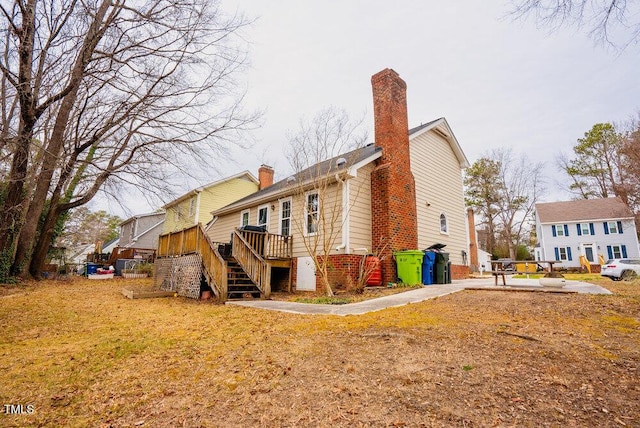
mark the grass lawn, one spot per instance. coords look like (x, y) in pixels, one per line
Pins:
(79, 354)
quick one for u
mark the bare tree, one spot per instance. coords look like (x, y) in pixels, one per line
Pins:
(320, 155)
(614, 22)
(86, 226)
(103, 94)
(521, 185)
(504, 190)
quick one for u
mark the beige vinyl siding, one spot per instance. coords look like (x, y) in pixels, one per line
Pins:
(438, 178)
(331, 201)
(221, 229)
(223, 226)
(360, 211)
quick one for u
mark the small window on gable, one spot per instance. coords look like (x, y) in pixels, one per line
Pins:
(192, 206)
(444, 227)
(244, 218)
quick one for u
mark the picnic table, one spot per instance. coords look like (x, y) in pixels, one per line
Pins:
(502, 268)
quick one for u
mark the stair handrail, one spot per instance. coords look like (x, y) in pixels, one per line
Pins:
(584, 262)
(215, 266)
(253, 264)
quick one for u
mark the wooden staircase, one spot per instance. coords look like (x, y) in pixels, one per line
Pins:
(243, 273)
(239, 285)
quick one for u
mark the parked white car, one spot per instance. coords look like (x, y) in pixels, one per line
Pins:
(618, 269)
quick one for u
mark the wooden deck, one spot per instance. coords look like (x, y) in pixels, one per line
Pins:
(255, 251)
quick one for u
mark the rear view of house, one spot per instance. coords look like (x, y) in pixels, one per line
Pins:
(585, 232)
(402, 192)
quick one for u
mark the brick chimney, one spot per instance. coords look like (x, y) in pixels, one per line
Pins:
(473, 241)
(265, 176)
(393, 195)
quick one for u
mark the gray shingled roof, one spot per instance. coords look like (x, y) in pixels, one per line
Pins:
(583, 209)
(320, 169)
(424, 125)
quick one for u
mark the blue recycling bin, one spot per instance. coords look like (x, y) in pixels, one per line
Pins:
(428, 262)
(91, 268)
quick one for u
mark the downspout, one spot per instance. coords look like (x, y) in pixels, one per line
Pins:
(344, 245)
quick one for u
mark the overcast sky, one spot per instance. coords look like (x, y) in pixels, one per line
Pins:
(498, 82)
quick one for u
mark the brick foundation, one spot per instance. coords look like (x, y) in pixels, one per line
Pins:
(344, 270)
(294, 273)
(459, 272)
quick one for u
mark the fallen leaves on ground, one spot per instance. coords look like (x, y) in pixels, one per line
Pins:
(84, 355)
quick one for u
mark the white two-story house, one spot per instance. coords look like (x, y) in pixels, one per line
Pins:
(587, 231)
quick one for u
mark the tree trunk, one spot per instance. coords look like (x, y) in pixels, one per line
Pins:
(50, 162)
(41, 249)
(13, 209)
(12, 214)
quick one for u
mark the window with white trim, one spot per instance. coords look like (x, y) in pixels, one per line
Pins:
(613, 227)
(616, 251)
(585, 229)
(562, 253)
(444, 227)
(559, 230)
(263, 216)
(311, 212)
(285, 217)
(244, 218)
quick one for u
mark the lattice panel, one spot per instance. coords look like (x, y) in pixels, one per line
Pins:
(179, 274)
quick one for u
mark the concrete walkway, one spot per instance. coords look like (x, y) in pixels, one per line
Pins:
(412, 296)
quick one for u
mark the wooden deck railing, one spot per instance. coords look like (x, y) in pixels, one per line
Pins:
(246, 247)
(279, 246)
(269, 245)
(193, 240)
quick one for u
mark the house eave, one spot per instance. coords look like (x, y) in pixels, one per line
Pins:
(551, 222)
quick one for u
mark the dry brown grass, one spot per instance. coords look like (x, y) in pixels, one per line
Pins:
(83, 355)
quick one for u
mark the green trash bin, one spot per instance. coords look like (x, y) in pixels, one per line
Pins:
(409, 266)
(442, 271)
